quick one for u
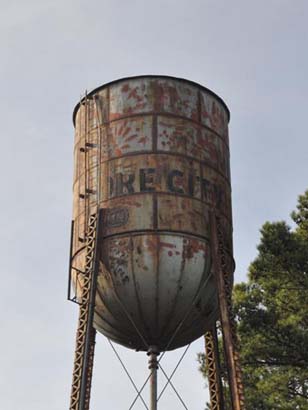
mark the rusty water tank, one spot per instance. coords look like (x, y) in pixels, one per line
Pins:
(153, 153)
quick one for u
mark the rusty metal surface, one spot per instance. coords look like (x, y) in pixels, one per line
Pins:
(104, 88)
(153, 153)
(224, 289)
(85, 337)
(213, 368)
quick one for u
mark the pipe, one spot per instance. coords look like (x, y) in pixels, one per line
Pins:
(153, 366)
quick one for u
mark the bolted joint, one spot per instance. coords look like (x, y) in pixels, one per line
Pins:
(153, 353)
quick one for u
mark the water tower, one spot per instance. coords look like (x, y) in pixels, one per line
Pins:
(151, 244)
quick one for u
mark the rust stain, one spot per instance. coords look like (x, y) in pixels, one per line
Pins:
(192, 247)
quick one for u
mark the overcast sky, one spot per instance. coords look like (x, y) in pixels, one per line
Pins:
(251, 53)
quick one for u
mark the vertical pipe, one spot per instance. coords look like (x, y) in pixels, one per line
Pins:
(153, 386)
(153, 366)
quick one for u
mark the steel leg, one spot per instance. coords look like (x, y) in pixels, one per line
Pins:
(85, 338)
(224, 287)
(213, 367)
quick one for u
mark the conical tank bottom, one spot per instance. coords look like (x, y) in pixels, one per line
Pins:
(155, 290)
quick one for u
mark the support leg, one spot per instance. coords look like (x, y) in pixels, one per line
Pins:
(224, 286)
(85, 338)
(212, 361)
(89, 372)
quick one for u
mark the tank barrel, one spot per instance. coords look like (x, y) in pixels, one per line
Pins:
(152, 152)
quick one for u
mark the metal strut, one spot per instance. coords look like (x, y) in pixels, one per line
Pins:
(213, 368)
(230, 341)
(85, 337)
(153, 366)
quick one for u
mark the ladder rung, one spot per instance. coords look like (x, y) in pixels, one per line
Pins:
(91, 145)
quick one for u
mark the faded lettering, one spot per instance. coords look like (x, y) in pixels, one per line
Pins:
(147, 179)
(173, 181)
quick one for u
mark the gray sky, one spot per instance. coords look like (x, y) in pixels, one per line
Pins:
(253, 54)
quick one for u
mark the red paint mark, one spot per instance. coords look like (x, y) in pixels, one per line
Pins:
(131, 137)
(170, 253)
(166, 245)
(142, 140)
(114, 116)
(127, 129)
(134, 94)
(125, 88)
(120, 130)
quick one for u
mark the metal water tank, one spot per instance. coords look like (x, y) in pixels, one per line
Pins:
(153, 153)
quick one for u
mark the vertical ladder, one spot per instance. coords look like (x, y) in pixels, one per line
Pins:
(92, 157)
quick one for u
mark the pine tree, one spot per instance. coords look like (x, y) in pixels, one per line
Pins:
(272, 317)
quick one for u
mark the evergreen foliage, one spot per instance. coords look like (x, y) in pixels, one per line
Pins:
(271, 311)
